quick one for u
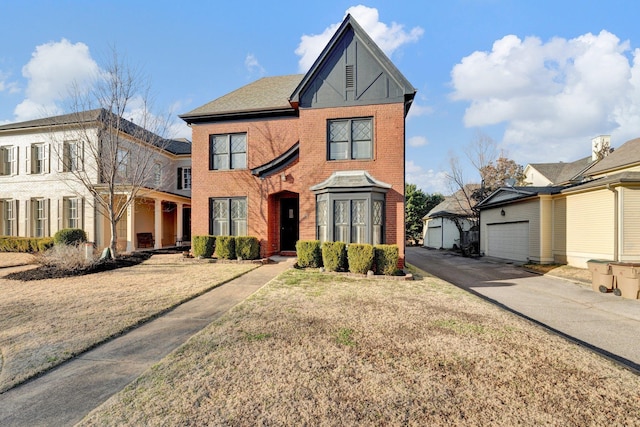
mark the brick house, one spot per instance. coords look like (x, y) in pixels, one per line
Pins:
(313, 156)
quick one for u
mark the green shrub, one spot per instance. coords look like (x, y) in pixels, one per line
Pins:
(25, 244)
(247, 247)
(226, 247)
(386, 259)
(203, 246)
(334, 256)
(360, 258)
(70, 236)
(46, 243)
(309, 253)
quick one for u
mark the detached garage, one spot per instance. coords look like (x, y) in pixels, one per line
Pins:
(516, 224)
(508, 240)
(433, 239)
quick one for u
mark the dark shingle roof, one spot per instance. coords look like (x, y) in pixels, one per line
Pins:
(174, 146)
(65, 119)
(266, 94)
(177, 146)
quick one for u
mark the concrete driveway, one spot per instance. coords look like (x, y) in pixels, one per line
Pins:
(603, 322)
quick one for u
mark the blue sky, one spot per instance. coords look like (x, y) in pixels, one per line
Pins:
(539, 77)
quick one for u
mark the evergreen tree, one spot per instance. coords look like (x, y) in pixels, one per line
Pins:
(417, 205)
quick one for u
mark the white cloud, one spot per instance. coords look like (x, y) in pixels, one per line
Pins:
(417, 141)
(418, 110)
(387, 37)
(552, 97)
(52, 68)
(6, 85)
(428, 181)
(253, 66)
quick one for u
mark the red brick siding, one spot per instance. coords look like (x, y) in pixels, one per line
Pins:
(269, 138)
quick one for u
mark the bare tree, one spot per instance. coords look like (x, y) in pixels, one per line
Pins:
(113, 158)
(494, 170)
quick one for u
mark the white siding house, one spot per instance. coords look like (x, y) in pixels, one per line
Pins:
(40, 192)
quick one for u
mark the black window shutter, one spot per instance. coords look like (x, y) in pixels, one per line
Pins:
(179, 179)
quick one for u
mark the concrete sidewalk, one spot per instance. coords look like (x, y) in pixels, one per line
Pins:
(64, 395)
(605, 323)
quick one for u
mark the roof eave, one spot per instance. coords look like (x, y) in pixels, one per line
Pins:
(237, 115)
(277, 164)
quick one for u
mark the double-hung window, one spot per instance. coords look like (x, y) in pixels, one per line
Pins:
(228, 216)
(40, 217)
(71, 156)
(350, 139)
(39, 158)
(228, 151)
(72, 216)
(184, 178)
(8, 160)
(8, 217)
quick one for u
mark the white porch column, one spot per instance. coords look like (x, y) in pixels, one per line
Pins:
(131, 226)
(179, 231)
(158, 223)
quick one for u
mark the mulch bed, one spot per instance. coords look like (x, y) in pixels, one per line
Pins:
(51, 272)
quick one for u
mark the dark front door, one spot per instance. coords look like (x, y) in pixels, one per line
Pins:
(288, 224)
(186, 224)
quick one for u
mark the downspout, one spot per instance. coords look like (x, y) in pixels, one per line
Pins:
(442, 231)
(615, 222)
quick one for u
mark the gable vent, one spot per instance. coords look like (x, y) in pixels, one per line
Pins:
(349, 78)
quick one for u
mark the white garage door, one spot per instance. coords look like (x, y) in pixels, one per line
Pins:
(434, 237)
(508, 241)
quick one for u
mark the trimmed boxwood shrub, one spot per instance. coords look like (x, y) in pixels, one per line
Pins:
(386, 259)
(25, 244)
(226, 247)
(203, 246)
(247, 247)
(309, 253)
(360, 258)
(334, 256)
(70, 236)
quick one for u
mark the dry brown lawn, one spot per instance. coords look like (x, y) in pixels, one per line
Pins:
(45, 322)
(323, 349)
